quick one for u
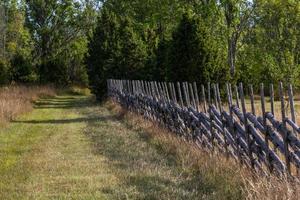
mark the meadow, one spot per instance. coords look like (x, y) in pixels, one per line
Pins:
(66, 145)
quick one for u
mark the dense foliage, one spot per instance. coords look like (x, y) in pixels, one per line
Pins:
(194, 52)
(45, 41)
(68, 41)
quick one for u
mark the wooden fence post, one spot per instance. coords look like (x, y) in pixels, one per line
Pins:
(159, 96)
(144, 88)
(237, 96)
(170, 90)
(293, 116)
(174, 92)
(129, 87)
(215, 95)
(223, 121)
(180, 94)
(192, 95)
(149, 89)
(161, 89)
(140, 87)
(292, 106)
(284, 130)
(252, 100)
(186, 95)
(153, 89)
(196, 96)
(211, 120)
(166, 90)
(232, 128)
(203, 98)
(266, 128)
(136, 87)
(133, 87)
(272, 99)
(246, 125)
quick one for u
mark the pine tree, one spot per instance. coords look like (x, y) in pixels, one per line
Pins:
(116, 51)
(194, 55)
(159, 70)
(133, 52)
(102, 51)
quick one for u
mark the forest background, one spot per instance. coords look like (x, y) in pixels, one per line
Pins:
(84, 42)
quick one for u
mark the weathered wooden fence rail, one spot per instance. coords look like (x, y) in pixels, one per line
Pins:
(262, 142)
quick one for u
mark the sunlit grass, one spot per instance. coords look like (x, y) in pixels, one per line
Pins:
(225, 179)
(70, 147)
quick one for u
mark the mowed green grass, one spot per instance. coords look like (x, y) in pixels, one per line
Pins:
(69, 147)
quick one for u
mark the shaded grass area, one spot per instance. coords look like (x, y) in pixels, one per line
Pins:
(71, 148)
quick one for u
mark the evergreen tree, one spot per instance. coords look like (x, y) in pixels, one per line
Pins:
(151, 41)
(132, 52)
(194, 55)
(115, 51)
(162, 52)
(102, 51)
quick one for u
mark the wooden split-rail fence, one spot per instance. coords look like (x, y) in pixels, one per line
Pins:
(265, 141)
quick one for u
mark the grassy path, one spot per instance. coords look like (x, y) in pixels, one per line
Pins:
(71, 148)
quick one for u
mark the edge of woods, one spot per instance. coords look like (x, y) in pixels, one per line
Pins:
(210, 172)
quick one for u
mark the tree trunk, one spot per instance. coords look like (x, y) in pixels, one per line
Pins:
(231, 55)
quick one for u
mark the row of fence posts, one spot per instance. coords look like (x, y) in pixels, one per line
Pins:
(185, 95)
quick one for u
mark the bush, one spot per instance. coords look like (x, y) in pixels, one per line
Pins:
(54, 71)
(3, 72)
(22, 70)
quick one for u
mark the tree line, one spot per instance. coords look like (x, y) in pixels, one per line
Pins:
(89, 41)
(196, 40)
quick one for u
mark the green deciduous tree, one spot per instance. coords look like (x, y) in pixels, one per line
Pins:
(238, 17)
(56, 26)
(271, 49)
(16, 44)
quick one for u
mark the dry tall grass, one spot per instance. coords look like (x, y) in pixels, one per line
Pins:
(221, 173)
(17, 99)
